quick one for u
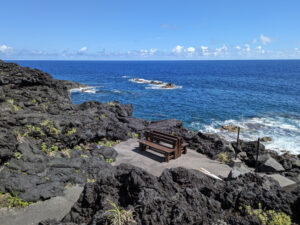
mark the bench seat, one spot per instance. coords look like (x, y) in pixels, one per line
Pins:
(157, 146)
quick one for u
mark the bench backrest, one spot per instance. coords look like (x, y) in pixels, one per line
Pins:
(158, 136)
(169, 135)
(151, 136)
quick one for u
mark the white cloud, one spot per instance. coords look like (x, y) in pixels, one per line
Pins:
(265, 40)
(190, 50)
(204, 50)
(82, 50)
(297, 50)
(5, 49)
(247, 48)
(178, 49)
(260, 49)
(238, 47)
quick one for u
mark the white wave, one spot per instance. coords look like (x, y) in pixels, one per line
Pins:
(116, 91)
(91, 90)
(125, 76)
(161, 87)
(284, 131)
(140, 81)
(154, 84)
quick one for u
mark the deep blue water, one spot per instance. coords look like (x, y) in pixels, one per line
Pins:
(261, 96)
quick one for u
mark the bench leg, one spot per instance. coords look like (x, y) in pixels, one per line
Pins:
(142, 147)
(167, 157)
(184, 150)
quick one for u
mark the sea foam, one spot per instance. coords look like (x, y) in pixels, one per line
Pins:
(284, 131)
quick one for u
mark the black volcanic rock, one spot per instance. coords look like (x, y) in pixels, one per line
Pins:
(178, 196)
(37, 116)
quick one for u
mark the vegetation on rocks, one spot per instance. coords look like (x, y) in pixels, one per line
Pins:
(268, 217)
(10, 201)
(49, 143)
(119, 216)
(223, 157)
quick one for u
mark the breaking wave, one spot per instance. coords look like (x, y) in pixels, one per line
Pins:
(90, 90)
(284, 131)
(155, 84)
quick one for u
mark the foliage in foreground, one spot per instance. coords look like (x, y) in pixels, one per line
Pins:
(10, 201)
(119, 216)
(268, 217)
(223, 157)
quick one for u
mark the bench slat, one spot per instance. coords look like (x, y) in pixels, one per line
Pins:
(157, 146)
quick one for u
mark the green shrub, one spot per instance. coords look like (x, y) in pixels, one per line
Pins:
(268, 217)
(50, 125)
(223, 157)
(44, 147)
(109, 160)
(30, 129)
(8, 200)
(111, 103)
(47, 150)
(133, 135)
(17, 155)
(108, 143)
(10, 101)
(91, 180)
(119, 216)
(70, 132)
(16, 108)
(77, 147)
(84, 156)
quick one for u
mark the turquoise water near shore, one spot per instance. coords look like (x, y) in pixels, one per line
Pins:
(263, 97)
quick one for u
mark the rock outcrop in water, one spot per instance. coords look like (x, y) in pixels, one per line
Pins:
(48, 143)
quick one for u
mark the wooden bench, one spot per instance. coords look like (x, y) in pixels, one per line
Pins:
(171, 146)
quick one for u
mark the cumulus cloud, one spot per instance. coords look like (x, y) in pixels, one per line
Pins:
(204, 50)
(265, 40)
(82, 50)
(247, 48)
(221, 51)
(259, 49)
(178, 49)
(190, 50)
(146, 52)
(5, 49)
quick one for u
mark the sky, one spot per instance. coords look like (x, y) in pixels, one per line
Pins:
(149, 29)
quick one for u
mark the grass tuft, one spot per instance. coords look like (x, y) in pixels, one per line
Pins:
(119, 216)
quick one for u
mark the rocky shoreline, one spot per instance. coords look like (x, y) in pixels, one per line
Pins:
(48, 143)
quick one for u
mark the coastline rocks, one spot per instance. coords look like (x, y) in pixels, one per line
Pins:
(270, 165)
(46, 141)
(236, 172)
(178, 196)
(230, 128)
(266, 139)
(211, 145)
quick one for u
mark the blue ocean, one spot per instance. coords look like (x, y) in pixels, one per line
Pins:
(263, 97)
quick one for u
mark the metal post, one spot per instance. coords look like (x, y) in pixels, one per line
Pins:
(237, 142)
(257, 152)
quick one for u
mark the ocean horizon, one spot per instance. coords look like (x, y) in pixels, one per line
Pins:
(260, 96)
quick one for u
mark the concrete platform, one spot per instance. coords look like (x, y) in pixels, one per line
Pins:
(152, 162)
(54, 208)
